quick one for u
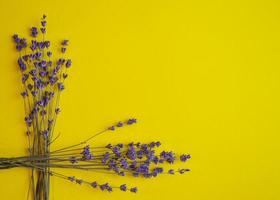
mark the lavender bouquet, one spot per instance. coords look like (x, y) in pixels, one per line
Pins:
(43, 82)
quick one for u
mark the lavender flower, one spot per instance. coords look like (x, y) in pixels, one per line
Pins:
(134, 189)
(63, 49)
(119, 124)
(65, 42)
(68, 63)
(94, 184)
(43, 78)
(131, 121)
(123, 187)
(71, 178)
(60, 86)
(185, 157)
(21, 64)
(171, 171)
(34, 32)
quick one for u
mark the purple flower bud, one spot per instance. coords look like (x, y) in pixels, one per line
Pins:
(43, 23)
(33, 72)
(120, 145)
(71, 178)
(185, 157)
(24, 78)
(123, 187)
(60, 61)
(171, 171)
(43, 112)
(42, 73)
(134, 189)
(94, 184)
(86, 153)
(64, 75)
(53, 79)
(79, 181)
(64, 42)
(104, 186)
(34, 92)
(57, 110)
(158, 170)
(19, 47)
(25, 57)
(43, 30)
(21, 64)
(131, 121)
(28, 121)
(124, 163)
(47, 44)
(158, 143)
(24, 94)
(182, 171)
(122, 173)
(16, 38)
(63, 49)
(45, 133)
(111, 128)
(49, 53)
(168, 156)
(68, 63)
(34, 32)
(105, 158)
(119, 124)
(50, 122)
(60, 86)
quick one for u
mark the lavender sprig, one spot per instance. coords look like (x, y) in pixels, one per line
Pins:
(43, 80)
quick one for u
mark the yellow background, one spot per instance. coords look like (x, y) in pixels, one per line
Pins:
(201, 76)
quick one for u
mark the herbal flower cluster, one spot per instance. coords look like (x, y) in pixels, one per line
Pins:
(43, 80)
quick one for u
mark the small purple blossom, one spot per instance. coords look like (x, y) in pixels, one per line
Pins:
(134, 189)
(87, 153)
(111, 128)
(43, 30)
(64, 75)
(182, 171)
(43, 23)
(21, 64)
(34, 32)
(24, 94)
(60, 86)
(71, 178)
(49, 53)
(131, 121)
(185, 157)
(106, 186)
(45, 133)
(94, 184)
(119, 124)
(171, 171)
(79, 181)
(57, 111)
(24, 78)
(68, 63)
(123, 187)
(64, 42)
(63, 49)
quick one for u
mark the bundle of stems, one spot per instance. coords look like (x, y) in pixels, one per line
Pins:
(43, 77)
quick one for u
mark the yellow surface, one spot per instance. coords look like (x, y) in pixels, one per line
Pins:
(201, 76)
